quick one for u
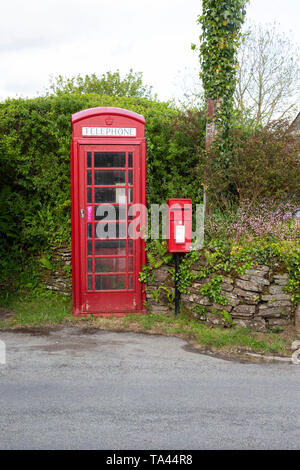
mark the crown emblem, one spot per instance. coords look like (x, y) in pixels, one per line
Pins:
(109, 121)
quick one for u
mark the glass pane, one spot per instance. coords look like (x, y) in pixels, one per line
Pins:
(130, 281)
(111, 230)
(113, 213)
(90, 247)
(89, 178)
(109, 178)
(117, 195)
(89, 160)
(129, 195)
(129, 177)
(121, 230)
(89, 194)
(90, 282)
(110, 282)
(130, 160)
(130, 247)
(109, 160)
(130, 264)
(130, 227)
(110, 247)
(90, 228)
(110, 265)
(90, 265)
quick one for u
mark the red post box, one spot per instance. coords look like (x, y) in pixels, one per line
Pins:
(179, 225)
(108, 177)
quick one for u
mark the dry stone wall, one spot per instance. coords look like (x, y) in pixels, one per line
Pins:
(58, 280)
(256, 299)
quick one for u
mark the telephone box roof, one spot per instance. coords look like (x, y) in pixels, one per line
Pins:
(107, 110)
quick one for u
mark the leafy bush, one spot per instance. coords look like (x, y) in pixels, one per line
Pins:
(264, 165)
(265, 219)
(109, 83)
(174, 145)
(35, 137)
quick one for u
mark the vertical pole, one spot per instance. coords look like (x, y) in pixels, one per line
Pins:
(212, 106)
(210, 134)
(177, 292)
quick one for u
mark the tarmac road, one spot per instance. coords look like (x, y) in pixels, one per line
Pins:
(69, 389)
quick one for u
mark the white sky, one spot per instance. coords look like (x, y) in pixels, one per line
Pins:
(43, 38)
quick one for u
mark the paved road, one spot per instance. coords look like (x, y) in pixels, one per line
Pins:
(107, 390)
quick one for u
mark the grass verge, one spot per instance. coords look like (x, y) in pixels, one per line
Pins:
(40, 308)
(44, 308)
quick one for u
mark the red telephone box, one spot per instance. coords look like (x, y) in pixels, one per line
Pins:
(179, 225)
(108, 176)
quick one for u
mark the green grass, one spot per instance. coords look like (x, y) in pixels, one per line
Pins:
(40, 307)
(216, 337)
(44, 307)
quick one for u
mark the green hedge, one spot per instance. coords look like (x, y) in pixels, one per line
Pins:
(35, 137)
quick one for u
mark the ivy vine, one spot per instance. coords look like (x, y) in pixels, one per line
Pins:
(221, 23)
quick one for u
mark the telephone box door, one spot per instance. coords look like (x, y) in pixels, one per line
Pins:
(109, 183)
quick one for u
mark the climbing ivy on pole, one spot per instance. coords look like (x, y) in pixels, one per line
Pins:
(221, 22)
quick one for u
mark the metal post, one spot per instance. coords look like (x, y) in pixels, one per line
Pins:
(177, 292)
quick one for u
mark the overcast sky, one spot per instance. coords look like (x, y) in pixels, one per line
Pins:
(43, 38)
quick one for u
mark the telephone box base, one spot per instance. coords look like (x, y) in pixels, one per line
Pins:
(106, 314)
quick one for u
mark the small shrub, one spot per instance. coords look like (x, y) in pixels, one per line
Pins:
(265, 219)
(264, 165)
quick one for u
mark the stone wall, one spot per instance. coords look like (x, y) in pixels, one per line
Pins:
(58, 280)
(256, 299)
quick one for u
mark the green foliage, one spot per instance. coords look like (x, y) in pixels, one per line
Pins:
(157, 255)
(234, 258)
(159, 250)
(221, 23)
(49, 308)
(184, 276)
(156, 293)
(286, 253)
(174, 141)
(289, 254)
(227, 317)
(270, 155)
(144, 275)
(46, 263)
(212, 290)
(37, 307)
(170, 294)
(200, 310)
(18, 270)
(35, 137)
(207, 336)
(109, 83)
(68, 271)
